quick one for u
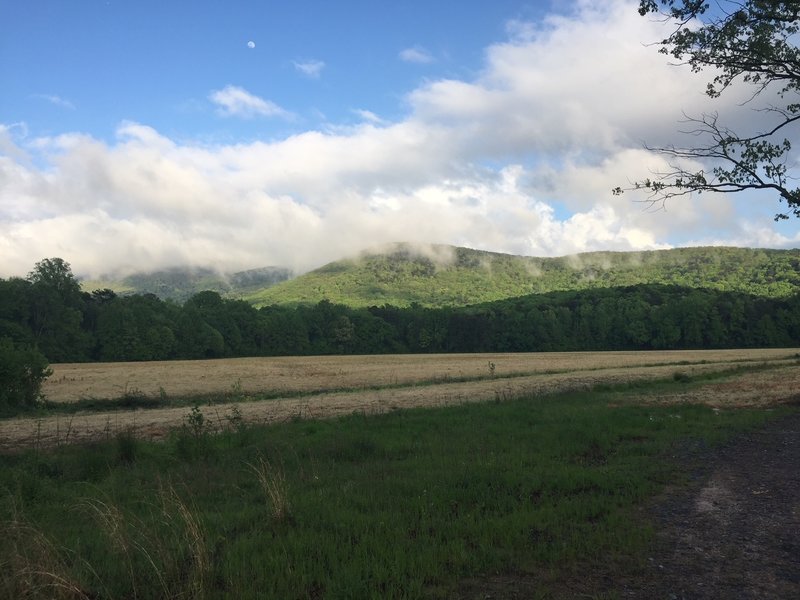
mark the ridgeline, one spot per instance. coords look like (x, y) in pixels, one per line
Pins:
(446, 276)
(180, 284)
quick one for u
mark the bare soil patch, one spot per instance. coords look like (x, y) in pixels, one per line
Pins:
(734, 532)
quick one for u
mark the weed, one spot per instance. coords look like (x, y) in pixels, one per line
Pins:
(196, 422)
(681, 376)
(235, 420)
(132, 396)
(193, 437)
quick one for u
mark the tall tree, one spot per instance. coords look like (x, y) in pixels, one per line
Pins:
(56, 311)
(748, 41)
(55, 273)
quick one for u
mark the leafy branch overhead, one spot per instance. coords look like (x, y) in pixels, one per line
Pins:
(752, 42)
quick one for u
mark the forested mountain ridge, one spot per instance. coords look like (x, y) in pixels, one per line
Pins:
(180, 284)
(439, 276)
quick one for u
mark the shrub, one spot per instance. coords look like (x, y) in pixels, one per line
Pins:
(22, 371)
(194, 436)
(681, 377)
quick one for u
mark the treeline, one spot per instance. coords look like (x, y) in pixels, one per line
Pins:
(49, 312)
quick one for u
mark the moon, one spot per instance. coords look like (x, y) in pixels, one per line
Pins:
(251, 44)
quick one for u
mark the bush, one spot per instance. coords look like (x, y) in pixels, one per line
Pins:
(22, 371)
(681, 376)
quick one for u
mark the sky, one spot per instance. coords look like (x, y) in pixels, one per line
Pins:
(241, 134)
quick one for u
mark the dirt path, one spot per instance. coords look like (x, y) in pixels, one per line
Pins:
(732, 534)
(735, 532)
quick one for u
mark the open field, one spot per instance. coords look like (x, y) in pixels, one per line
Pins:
(320, 387)
(525, 476)
(293, 375)
(537, 497)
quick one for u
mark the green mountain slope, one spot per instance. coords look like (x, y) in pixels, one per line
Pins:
(181, 284)
(436, 276)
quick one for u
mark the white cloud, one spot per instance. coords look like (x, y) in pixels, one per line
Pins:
(368, 116)
(234, 101)
(580, 83)
(519, 159)
(309, 68)
(8, 146)
(416, 54)
(56, 100)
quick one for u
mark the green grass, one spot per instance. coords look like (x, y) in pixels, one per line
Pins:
(404, 505)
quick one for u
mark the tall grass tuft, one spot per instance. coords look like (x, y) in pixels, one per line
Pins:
(273, 483)
(127, 446)
(32, 567)
(183, 520)
(166, 551)
(115, 526)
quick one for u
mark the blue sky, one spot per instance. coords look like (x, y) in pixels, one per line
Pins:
(154, 62)
(138, 135)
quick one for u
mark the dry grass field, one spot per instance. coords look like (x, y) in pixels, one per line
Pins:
(291, 375)
(319, 387)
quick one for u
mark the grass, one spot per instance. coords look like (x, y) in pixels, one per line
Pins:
(402, 505)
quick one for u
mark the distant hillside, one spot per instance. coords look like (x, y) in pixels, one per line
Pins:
(436, 276)
(181, 284)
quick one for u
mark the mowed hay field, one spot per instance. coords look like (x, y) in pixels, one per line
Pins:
(266, 390)
(292, 375)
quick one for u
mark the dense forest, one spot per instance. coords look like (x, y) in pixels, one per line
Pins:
(49, 311)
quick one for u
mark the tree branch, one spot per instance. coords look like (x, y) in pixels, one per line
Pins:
(752, 41)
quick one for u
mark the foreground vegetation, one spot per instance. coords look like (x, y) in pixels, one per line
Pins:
(404, 505)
